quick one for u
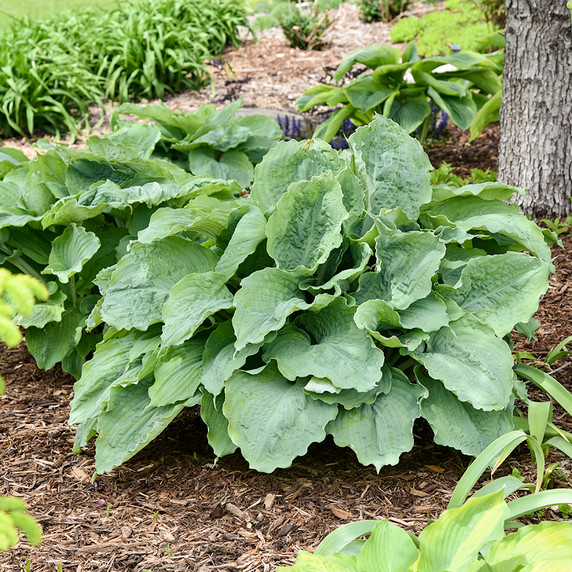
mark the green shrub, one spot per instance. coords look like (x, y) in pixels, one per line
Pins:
(381, 10)
(458, 23)
(264, 22)
(493, 10)
(304, 29)
(409, 90)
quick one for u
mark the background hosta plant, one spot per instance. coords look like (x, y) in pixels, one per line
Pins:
(343, 296)
(409, 90)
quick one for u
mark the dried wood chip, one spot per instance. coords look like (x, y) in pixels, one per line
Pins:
(269, 501)
(339, 512)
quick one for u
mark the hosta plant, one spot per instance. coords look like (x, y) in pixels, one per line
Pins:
(407, 89)
(208, 142)
(343, 296)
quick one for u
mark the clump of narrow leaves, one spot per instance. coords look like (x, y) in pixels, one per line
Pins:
(343, 296)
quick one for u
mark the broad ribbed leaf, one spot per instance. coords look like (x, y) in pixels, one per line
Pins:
(454, 541)
(229, 165)
(353, 190)
(410, 113)
(45, 312)
(128, 424)
(363, 93)
(395, 167)
(488, 191)
(140, 285)
(471, 362)
(288, 162)
(131, 141)
(334, 348)
(70, 251)
(457, 424)
(388, 549)
(248, 233)
(217, 423)
(473, 213)
(407, 263)
(501, 290)
(50, 344)
(461, 110)
(546, 547)
(428, 314)
(266, 298)
(380, 432)
(221, 360)
(306, 225)
(190, 302)
(271, 419)
(177, 373)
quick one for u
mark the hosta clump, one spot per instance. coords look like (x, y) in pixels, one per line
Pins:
(344, 296)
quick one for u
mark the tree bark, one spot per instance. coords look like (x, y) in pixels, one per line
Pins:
(535, 147)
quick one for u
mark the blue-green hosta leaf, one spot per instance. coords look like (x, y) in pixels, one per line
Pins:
(50, 344)
(453, 542)
(501, 290)
(407, 263)
(217, 423)
(488, 191)
(248, 233)
(221, 360)
(546, 547)
(266, 298)
(128, 424)
(335, 348)
(459, 425)
(455, 259)
(325, 390)
(115, 361)
(428, 314)
(288, 162)
(380, 432)
(68, 210)
(388, 549)
(473, 213)
(45, 312)
(394, 165)
(143, 278)
(70, 251)
(230, 165)
(271, 419)
(177, 373)
(353, 191)
(191, 300)
(306, 225)
(129, 142)
(471, 362)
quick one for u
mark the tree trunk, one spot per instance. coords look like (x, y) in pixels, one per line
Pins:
(535, 148)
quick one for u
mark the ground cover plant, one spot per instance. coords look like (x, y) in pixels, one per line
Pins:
(408, 89)
(461, 22)
(52, 70)
(334, 263)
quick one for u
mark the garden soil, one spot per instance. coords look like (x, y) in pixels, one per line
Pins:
(174, 507)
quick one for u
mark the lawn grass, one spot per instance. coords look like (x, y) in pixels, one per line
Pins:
(45, 9)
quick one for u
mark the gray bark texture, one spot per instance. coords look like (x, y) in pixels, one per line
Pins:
(535, 147)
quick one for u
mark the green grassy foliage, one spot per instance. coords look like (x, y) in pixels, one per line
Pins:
(459, 23)
(52, 70)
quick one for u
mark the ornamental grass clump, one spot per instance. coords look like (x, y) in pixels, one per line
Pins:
(344, 296)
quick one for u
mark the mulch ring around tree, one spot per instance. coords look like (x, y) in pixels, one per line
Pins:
(173, 507)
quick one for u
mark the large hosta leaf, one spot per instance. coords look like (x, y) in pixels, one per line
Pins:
(470, 213)
(143, 278)
(395, 167)
(228, 165)
(266, 298)
(45, 312)
(190, 302)
(217, 423)
(128, 424)
(454, 541)
(288, 162)
(177, 373)
(457, 424)
(471, 362)
(306, 225)
(501, 290)
(71, 251)
(271, 419)
(407, 263)
(334, 348)
(247, 233)
(380, 432)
